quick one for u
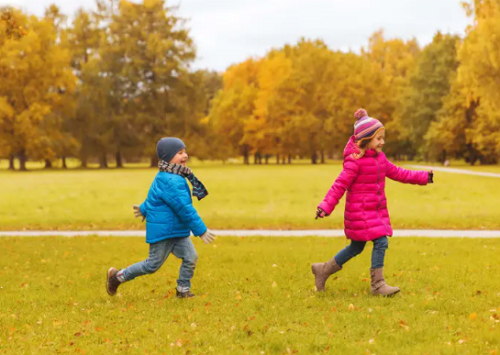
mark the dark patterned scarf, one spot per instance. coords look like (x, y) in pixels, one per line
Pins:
(199, 189)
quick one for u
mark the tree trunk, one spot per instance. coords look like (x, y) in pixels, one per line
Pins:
(154, 161)
(283, 160)
(119, 160)
(255, 159)
(11, 162)
(22, 161)
(277, 159)
(48, 164)
(314, 158)
(267, 159)
(103, 161)
(83, 160)
(246, 155)
(322, 157)
(443, 156)
(64, 166)
(289, 159)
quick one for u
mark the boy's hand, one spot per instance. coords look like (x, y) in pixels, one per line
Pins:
(208, 237)
(320, 213)
(137, 212)
(431, 177)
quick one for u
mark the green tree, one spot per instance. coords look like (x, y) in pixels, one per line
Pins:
(429, 83)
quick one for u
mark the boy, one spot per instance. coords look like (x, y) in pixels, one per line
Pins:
(170, 219)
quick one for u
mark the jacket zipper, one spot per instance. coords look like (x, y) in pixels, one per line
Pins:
(378, 195)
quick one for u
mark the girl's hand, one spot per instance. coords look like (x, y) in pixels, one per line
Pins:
(431, 177)
(137, 212)
(320, 213)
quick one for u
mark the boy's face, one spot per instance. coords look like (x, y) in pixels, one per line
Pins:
(180, 158)
(377, 142)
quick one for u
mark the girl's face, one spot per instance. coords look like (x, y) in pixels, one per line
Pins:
(180, 158)
(377, 142)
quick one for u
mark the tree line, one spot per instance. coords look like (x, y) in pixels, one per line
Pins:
(110, 83)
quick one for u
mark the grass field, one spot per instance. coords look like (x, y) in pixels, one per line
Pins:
(255, 296)
(241, 197)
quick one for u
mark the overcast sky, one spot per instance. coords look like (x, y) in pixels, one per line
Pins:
(229, 31)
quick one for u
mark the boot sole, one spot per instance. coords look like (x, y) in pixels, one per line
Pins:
(394, 294)
(108, 275)
(389, 296)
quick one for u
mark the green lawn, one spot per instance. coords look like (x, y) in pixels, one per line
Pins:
(255, 296)
(241, 197)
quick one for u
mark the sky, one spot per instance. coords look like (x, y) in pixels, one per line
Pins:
(229, 31)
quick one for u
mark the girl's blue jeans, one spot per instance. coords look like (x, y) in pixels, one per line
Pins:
(380, 245)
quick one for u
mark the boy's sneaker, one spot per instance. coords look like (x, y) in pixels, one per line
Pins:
(186, 294)
(112, 282)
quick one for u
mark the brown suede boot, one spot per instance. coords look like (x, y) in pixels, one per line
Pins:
(322, 272)
(378, 286)
(112, 282)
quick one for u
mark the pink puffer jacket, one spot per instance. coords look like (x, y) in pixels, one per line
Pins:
(366, 216)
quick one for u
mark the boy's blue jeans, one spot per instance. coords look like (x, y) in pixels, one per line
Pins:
(380, 245)
(182, 248)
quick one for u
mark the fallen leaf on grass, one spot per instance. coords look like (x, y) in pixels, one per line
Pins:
(403, 325)
(473, 316)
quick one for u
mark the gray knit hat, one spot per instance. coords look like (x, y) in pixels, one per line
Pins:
(168, 147)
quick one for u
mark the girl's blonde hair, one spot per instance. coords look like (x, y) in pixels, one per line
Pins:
(362, 146)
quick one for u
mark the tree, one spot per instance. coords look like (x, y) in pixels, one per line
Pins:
(145, 60)
(469, 124)
(479, 71)
(36, 78)
(234, 105)
(429, 83)
(83, 40)
(395, 58)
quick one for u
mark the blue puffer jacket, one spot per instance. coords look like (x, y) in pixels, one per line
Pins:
(169, 209)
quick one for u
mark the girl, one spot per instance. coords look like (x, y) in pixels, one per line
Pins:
(366, 217)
